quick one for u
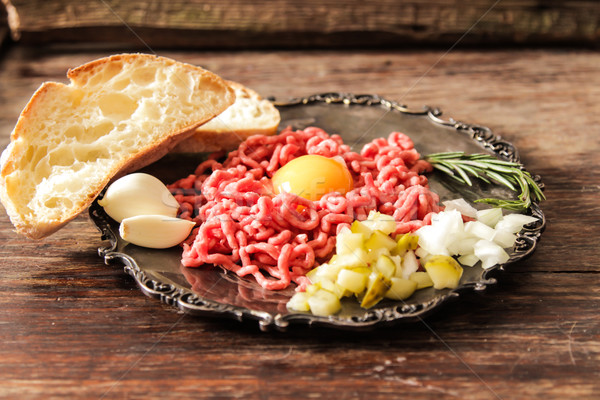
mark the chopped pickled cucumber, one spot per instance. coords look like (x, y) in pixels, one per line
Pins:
(383, 222)
(299, 302)
(348, 242)
(341, 292)
(401, 289)
(370, 265)
(379, 240)
(312, 289)
(352, 280)
(356, 259)
(327, 284)
(444, 271)
(385, 265)
(422, 279)
(374, 255)
(363, 270)
(324, 303)
(324, 271)
(359, 227)
(376, 289)
(405, 242)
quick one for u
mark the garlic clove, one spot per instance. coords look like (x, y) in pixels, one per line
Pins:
(138, 194)
(155, 231)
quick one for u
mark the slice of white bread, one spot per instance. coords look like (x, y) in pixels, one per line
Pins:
(249, 115)
(118, 114)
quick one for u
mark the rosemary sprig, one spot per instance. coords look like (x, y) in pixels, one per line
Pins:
(485, 167)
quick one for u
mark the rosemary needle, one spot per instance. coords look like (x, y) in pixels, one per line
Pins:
(462, 167)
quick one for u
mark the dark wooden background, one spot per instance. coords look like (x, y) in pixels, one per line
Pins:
(72, 327)
(304, 24)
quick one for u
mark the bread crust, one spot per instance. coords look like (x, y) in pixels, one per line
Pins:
(211, 137)
(38, 226)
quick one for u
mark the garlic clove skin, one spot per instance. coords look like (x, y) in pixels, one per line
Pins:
(155, 231)
(138, 194)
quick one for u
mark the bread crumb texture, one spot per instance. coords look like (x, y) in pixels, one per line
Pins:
(70, 140)
(248, 115)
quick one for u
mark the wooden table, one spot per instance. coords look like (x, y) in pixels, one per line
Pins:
(73, 327)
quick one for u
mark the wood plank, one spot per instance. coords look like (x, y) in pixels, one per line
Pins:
(4, 30)
(288, 23)
(73, 327)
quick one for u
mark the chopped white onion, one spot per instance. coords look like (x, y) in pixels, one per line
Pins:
(514, 222)
(468, 259)
(461, 206)
(410, 264)
(480, 240)
(422, 254)
(480, 230)
(504, 238)
(489, 216)
(436, 237)
(489, 253)
(462, 245)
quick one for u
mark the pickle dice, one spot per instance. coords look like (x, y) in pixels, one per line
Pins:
(405, 242)
(401, 289)
(354, 281)
(324, 303)
(444, 271)
(376, 289)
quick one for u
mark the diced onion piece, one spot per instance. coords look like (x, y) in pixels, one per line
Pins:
(410, 264)
(462, 245)
(504, 239)
(480, 230)
(461, 206)
(431, 240)
(468, 259)
(489, 216)
(490, 253)
(444, 226)
(422, 254)
(514, 222)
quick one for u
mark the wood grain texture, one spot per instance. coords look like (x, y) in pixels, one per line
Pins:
(4, 30)
(292, 23)
(73, 327)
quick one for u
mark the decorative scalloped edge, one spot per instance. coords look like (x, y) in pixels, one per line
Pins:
(190, 302)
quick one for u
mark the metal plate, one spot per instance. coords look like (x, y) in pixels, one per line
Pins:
(358, 119)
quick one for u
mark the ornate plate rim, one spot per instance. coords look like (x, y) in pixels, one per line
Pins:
(188, 301)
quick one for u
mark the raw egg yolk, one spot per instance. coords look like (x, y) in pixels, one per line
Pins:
(313, 176)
